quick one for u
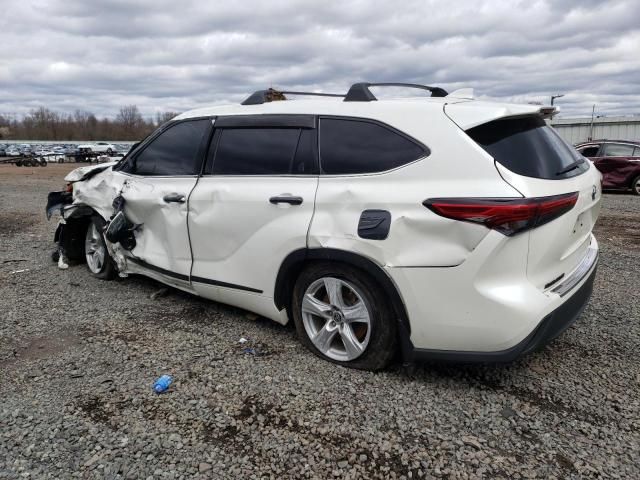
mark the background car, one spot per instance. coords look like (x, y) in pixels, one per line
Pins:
(98, 147)
(617, 160)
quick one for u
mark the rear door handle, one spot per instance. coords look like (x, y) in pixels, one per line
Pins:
(291, 200)
(174, 198)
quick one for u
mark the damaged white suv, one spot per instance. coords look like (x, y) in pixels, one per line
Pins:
(434, 227)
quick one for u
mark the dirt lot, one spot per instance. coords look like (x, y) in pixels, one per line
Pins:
(78, 357)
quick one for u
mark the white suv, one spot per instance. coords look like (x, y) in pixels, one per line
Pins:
(436, 227)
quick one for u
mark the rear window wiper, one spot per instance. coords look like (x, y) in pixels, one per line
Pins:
(571, 166)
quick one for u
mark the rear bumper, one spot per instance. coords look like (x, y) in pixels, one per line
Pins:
(548, 329)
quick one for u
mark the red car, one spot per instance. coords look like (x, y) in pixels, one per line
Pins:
(617, 160)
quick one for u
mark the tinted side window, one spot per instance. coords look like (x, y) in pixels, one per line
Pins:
(355, 146)
(263, 151)
(527, 146)
(174, 151)
(589, 151)
(617, 150)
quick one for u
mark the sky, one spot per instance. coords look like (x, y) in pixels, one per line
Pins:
(174, 55)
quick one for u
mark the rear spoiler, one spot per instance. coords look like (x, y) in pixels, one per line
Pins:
(470, 114)
(548, 112)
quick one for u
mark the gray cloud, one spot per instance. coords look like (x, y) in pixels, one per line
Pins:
(167, 55)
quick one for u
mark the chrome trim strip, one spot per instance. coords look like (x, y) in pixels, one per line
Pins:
(584, 267)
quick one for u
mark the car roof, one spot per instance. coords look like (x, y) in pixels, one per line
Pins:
(467, 112)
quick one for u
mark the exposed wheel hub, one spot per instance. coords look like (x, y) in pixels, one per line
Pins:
(338, 316)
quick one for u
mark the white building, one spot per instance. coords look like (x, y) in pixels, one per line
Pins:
(576, 130)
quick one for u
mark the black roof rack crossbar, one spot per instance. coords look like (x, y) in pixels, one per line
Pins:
(270, 95)
(359, 92)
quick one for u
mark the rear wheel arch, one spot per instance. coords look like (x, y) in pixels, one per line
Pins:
(297, 260)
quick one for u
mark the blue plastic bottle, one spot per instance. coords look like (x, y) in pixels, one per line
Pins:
(162, 384)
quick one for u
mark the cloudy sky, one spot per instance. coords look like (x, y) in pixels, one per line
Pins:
(177, 55)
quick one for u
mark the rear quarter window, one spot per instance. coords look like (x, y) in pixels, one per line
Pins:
(528, 146)
(352, 146)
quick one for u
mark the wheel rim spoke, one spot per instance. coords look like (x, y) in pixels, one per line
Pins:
(356, 313)
(334, 291)
(313, 306)
(351, 344)
(324, 337)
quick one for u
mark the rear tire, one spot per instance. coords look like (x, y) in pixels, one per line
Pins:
(635, 185)
(99, 261)
(343, 316)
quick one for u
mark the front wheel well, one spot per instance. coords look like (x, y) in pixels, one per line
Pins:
(71, 236)
(298, 260)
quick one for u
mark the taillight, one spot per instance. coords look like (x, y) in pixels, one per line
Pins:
(506, 215)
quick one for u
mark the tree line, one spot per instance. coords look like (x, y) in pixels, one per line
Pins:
(45, 124)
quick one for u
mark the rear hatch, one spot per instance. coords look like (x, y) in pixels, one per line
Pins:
(533, 159)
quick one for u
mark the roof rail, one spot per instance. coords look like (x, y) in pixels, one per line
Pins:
(359, 92)
(272, 95)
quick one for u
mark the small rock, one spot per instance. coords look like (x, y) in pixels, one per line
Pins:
(508, 412)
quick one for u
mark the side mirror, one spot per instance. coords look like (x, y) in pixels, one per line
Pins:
(120, 229)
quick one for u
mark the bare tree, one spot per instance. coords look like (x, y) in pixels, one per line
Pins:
(130, 120)
(45, 124)
(164, 117)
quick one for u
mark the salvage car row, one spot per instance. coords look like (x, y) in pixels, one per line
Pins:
(56, 152)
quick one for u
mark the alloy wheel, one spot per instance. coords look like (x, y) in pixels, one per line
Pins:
(94, 248)
(336, 318)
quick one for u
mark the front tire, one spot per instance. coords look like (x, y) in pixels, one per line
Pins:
(635, 185)
(99, 261)
(343, 316)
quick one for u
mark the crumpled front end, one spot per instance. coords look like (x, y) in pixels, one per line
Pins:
(91, 190)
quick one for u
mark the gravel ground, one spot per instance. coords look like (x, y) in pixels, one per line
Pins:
(78, 357)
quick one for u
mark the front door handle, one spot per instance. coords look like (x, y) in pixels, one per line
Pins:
(283, 198)
(174, 198)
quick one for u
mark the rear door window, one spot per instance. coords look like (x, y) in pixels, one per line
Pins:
(349, 146)
(263, 151)
(527, 146)
(617, 150)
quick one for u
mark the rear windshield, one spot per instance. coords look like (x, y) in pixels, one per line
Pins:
(527, 146)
